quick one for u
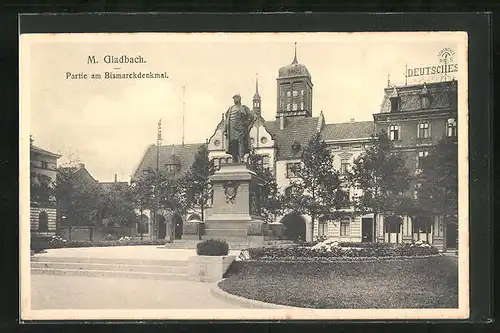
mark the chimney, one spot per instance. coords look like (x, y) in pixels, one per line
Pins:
(116, 178)
(81, 165)
(282, 122)
(351, 120)
(31, 140)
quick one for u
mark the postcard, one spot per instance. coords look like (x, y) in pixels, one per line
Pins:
(272, 176)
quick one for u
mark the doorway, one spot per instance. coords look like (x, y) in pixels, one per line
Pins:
(452, 236)
(162, 227)
(177, 222)
(367, 229)
(295, 227)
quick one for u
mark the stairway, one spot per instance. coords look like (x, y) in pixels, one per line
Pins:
(107, 267)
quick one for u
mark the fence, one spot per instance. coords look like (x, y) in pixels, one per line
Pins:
(96, 233)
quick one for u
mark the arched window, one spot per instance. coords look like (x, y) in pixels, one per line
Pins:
(194, 217)
(451, 127)
(43, 222)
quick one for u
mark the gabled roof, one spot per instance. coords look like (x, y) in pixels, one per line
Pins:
(348, 131)
(38, 150)
(296, 130)
(81, 170)
(442, 95)
(109, 185)
(180, 153)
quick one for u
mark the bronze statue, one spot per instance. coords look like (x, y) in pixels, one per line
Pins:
(238, 122)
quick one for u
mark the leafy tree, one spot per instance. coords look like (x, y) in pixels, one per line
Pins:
(143, 196)
(78, 197)
(117, 205)
(317, 188)
(381, 174)
(42, 190)
(196, 181)
(271, 198)
(437, 192)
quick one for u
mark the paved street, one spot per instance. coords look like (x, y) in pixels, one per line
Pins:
(79, 292)
(82, 292)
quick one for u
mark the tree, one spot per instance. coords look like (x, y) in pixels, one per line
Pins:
(117, 205)
(381, 175)
(196, 181)
(42, 190)
(317, 188)
(437, 190)
(143, 196)
(271, 203)
(78, 197)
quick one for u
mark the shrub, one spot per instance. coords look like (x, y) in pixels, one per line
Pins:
(212, 247)
(320, 253)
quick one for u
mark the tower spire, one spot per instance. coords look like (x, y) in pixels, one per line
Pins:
(257, 83)
(256, 96)
(295, 55)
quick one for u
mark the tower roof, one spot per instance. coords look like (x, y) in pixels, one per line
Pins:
(294, 69)
(256, 96)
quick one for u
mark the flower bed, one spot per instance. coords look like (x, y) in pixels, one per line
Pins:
(327, 251)
(56, 242)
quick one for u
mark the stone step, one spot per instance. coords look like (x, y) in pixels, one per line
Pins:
(111, 267)
(226, 232)
(113, 274)
(115, 261)
(236, 239)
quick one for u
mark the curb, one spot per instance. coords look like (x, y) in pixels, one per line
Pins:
(239, 300)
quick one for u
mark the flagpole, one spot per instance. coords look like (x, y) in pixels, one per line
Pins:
(157, 174)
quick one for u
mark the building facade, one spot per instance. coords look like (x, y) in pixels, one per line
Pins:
(43, 172)
(414, 116)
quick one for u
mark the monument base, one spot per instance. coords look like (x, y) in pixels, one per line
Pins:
(236, 206)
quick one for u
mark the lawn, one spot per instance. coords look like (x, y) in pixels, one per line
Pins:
(413, 283)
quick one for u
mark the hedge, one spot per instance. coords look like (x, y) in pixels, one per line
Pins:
(212, 247)
(378, 251)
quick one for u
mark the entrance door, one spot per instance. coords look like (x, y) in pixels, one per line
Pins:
(451, 236)
(367, 229)
(295, 227)
(162, 227)
(177, 221)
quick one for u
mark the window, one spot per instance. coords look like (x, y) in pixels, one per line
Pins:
(345, 227)
(302, 92)
(173, 168)
(451, 127)
(216, 163)
(421, 155)
(43, 222)
(295, 93)
(288, 93)
(394, 132)
(322, 228)
(288, 107)
(395, 104)
(45, 165)
(291, 168)
(294, 106)
(145, 172)
(344, 166)
(263, 140)
(265, 161)
(302, 105)
(423, 130)
(425, 102)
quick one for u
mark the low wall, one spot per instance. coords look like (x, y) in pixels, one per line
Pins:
(96, 233)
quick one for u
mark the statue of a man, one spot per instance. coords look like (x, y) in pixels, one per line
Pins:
(238, 122)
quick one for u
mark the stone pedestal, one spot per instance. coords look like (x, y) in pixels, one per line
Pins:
(236, 206)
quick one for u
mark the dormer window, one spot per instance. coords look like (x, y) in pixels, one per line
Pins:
(395, 100)
(425, 101)
(295, 147)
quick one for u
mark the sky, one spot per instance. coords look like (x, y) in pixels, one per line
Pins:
(108, 124)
